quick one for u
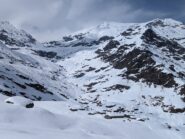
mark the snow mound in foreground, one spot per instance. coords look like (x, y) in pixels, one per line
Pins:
(17, 100)
(54, 120)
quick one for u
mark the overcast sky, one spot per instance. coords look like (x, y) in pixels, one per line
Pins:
(51, 19)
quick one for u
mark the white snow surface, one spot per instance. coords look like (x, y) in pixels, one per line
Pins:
(18, 100)
(54, 120)
(77, 113)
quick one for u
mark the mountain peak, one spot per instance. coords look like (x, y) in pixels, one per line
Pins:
(6, 25)
(13, 36)
(164, 22)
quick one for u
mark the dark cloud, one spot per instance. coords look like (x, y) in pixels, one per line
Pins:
(167, 8)
(50, 19)
(160, 5)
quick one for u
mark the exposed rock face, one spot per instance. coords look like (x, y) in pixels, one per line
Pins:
(105, 38)
(46, 54)
(174, 49)
(112, 44)
(138, 62)
(182, 92)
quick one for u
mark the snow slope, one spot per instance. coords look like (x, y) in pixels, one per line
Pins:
(135, 74)
(121, 64)
(55, 120)
(25, 74)
(112, 81)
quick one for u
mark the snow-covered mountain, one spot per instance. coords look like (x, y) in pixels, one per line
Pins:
(13, 37)
(114, 60)
(131, 71)
(124, 72)
(24, 73)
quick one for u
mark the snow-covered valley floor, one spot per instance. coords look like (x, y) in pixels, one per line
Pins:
(54, 120)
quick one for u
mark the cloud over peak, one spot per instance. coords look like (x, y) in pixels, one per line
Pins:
(50, 19)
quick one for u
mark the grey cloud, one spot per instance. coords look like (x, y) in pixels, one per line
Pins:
(50, 19)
